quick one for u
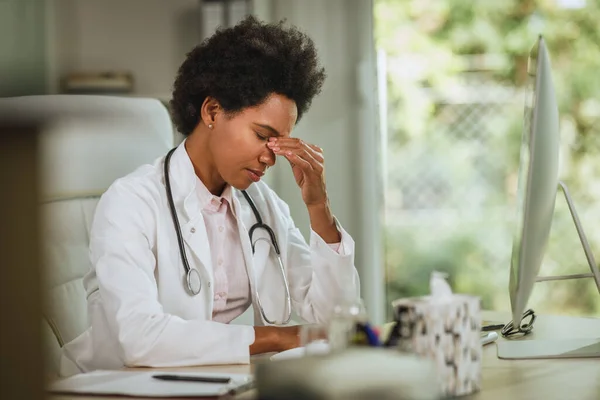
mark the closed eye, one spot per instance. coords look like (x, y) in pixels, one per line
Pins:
(261, 137)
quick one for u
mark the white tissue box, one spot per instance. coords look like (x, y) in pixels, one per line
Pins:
(447, 332)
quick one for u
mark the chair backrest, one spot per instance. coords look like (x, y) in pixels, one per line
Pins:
(87, 143)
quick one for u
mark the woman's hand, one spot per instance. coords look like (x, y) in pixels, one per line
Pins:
(309, 171)
(307, 165)
(270, 338)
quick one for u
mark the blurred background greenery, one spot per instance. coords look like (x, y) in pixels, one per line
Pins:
(455, 81)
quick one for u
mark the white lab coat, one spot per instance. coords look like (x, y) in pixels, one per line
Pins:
(140, 311)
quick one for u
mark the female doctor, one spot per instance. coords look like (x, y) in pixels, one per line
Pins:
(158, 299)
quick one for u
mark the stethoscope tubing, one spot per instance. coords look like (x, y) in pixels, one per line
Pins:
(188, 271)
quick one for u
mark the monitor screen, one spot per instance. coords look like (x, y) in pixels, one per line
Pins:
(538, 179)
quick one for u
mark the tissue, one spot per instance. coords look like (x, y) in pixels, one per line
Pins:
(439, 287)
(444, 327)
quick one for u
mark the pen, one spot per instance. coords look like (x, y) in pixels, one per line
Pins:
(192, 378)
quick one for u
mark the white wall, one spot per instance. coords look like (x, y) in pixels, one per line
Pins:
(147, 37)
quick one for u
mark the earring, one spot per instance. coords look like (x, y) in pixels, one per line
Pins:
(210, 126)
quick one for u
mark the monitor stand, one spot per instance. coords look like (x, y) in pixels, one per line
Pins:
(544, 349)
(595, 273)
(560, 348)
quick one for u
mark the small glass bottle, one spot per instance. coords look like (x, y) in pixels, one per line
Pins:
(348, 311)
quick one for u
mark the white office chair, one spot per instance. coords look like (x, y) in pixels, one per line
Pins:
(87, 143)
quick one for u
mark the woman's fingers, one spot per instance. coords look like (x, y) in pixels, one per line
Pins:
(307, 165)
(316, 151)
(297, 151)
(296, 160)
(303, 155)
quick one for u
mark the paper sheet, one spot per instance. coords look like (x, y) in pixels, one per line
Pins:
(136, 383)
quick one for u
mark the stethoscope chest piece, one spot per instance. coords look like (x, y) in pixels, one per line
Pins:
(193, 281)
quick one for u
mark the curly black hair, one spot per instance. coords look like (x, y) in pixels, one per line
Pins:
(241, 66)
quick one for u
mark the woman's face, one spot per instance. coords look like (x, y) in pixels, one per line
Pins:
(238, 142)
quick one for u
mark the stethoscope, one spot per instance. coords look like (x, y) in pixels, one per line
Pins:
(193, 280)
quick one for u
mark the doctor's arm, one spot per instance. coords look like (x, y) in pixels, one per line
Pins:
(274, 339)
(319, 275)
(323, 223)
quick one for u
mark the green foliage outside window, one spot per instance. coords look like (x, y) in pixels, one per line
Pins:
(456, 72)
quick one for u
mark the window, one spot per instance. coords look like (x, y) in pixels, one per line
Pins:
(456, 74)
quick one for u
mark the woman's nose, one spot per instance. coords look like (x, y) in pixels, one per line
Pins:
(267, 158)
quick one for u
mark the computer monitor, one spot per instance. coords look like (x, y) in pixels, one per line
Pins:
(536, 196)
(537, 181)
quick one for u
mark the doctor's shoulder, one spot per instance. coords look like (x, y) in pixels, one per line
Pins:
(136, 197)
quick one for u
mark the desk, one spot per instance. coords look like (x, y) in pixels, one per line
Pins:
(505, 379)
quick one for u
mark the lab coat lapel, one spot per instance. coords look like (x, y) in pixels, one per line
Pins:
(196, 239)
(187, 204)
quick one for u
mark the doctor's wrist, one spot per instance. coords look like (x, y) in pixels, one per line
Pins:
(274, 339)
(264, 340)
(323, 224)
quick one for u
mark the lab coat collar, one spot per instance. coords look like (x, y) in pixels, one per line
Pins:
(183, 182)
(188, 188)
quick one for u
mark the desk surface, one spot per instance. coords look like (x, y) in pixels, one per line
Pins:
(506, 379)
